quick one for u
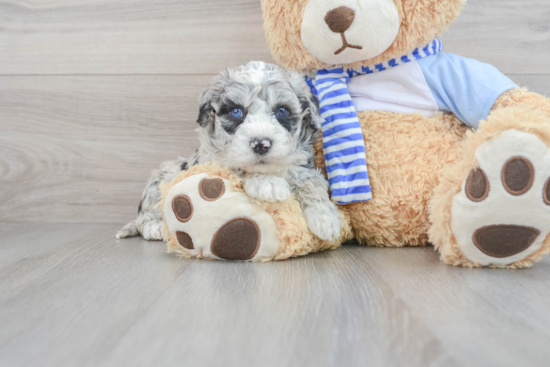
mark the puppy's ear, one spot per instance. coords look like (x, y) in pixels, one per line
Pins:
(211, 96)
(206, 113)
(310, 106)
(308, 101)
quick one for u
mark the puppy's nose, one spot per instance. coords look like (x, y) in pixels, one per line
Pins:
(339, 20)
(261, 146)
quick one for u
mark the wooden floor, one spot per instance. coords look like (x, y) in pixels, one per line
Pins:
(72, 295)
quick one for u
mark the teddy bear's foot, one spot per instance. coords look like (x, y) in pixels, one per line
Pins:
(210, 220)
(501, 216)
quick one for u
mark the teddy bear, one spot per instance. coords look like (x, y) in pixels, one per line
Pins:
(419, 146)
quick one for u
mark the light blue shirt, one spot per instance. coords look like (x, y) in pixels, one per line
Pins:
(466, 87)
(430, 85)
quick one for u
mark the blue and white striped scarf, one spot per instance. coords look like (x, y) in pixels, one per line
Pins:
(343, 142)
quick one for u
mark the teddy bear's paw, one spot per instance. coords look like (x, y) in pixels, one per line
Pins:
(210, 220)
(502, 214)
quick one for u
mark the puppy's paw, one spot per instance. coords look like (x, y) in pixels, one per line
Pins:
(152, 231)
(129, 230)
(124, 234)
(325, 224)
(279, 192)
(267, 188)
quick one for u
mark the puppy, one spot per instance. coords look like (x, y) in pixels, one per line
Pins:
(261, 122)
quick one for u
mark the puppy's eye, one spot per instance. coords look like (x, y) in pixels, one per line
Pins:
(282, 112)
(237, 113)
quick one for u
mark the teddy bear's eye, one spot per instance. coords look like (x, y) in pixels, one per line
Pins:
(282, 112)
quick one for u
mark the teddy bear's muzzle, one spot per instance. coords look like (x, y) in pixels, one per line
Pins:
(339, 20)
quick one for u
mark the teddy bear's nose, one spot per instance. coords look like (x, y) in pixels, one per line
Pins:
(339, 20)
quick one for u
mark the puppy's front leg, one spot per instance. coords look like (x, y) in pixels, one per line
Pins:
(311, 189)
(267, 188)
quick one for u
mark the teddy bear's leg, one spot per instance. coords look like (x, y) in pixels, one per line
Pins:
(207, 214)
(207, 218)
(492, 207)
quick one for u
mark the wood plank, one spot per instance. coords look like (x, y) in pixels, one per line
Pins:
(80, 148)
(535, 83)
(96, 301)
(513, 35)
(129, 37)
(198, 36)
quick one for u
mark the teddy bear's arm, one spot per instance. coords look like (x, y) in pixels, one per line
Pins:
(466, 87)
(472, 90)
(520, 96)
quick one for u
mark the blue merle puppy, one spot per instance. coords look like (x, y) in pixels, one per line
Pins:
(261, 122)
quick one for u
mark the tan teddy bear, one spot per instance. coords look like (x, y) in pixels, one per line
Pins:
(419, 146)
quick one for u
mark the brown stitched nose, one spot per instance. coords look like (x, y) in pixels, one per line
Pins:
(504, 240)
(339, 20)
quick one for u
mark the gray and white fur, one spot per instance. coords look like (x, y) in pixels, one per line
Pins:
(261, 122)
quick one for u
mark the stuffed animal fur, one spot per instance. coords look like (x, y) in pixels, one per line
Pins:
(456, 154)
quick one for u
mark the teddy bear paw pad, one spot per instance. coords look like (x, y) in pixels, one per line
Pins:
(502, 214)
(210, 220)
